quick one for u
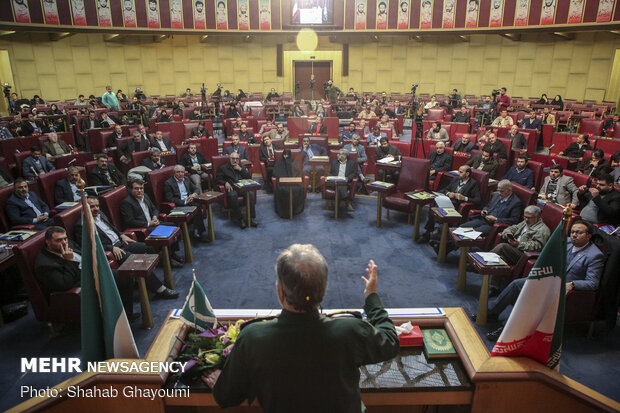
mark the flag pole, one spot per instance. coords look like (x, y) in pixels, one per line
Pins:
(193, 283)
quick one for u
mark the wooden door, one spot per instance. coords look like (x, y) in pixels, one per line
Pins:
(303, 72)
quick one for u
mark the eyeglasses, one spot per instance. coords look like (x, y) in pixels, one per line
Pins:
(577, 232)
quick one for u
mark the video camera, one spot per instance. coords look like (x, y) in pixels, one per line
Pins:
(7, 90)
(495, 92)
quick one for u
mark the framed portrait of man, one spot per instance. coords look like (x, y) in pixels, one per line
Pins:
(426, 14)
(403, 14)
(547, 14)
(360, 14)
(382, 17)
(129, 13)
(522, 12)
(471, 17)
(199, 14)
(605, 9)
(496, 14)
(103, 13)
(21, 11)
(447, 20)
(176, 14)
(264, 14)
(221, 15)
(152, 14)
(50, 12)
(243, 14)
(78, 13)
(575, 11)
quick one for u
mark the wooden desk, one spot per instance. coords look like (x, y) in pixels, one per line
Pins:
(486, 270)
(208, 198)
(383, 189)
(141, 266)
(446, 221)
(419, 198)
(314, 162)
(163, 243)
(246, 186)
(464, 244)
(290, 183)
(334, 181)
(182, 218)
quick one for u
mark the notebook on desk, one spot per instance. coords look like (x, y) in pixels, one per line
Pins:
(162, 231)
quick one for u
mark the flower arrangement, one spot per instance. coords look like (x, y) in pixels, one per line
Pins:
(205, 351)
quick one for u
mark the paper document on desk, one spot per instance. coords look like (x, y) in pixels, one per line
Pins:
(489, 257)
(468, 233)
(443, 201)
(387, 159)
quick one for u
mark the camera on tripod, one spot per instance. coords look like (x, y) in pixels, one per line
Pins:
(495, 92)
(7, 90)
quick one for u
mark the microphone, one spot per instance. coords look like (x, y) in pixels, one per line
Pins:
(73, 160)
(71, 147)
(554, 162)
(551, 147)
(35, 171)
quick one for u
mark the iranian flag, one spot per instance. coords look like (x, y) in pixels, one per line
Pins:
(197, 310)
(535, 326)
(105, 329)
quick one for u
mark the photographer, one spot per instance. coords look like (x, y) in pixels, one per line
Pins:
(331, 92)
(455, 99)
(502, 101)
(139, 94)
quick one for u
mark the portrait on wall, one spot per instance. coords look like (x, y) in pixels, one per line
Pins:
(221, 15)
(605, 9)
(382, 15)
(471, 18)
(50, 11)
(522, 12)
(78, 13)
(575, 11)
(152, 14)
(497, 13)
(403, 14)
(264, 12)
(447, 22)
(547, 14)
(243, 15)
(199, 15)
(103, 13)
(129, 13)
(176, 14)
(360, 14)
(426, 14)
(21, 11)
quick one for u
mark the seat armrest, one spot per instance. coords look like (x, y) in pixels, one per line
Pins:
(131, 235)
(166, 207)
(437, 180)
(25, 226)
(473, 212)
(140, 233)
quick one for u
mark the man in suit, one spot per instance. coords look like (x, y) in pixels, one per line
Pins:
(559, 188)
(193, 160)
(200, 131)
(463, 144)
(520, 173)
(384, 150)
(91, 122)
(227, 175)
(181, 192)
(108, 121)
(344, 167)
(484, 162)
(154, 161)
(26, 208)
(54, 147)
(308, 151)
(348, 133)
(547, 117)
(494, 145)
(584, 266)
(246, 135)
(104, 174)
(32, 126)
(122, 246)
(532, 122)
(318, 127)
(114, 136)
(356, 146)
(138, 144)
(462, 116)
(529, 235)
(138, 211)
(504, 208)
(57, 267)
(518, 141)
(35, 164)
(278, 133)
(266, 154)
(462, 188)
(440, 160)
(66, 189)
(161, 143)
(595, 166)
(238, 148)
(601, 204)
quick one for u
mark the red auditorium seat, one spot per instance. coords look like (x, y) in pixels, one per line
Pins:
(413, 177)
(591, 126)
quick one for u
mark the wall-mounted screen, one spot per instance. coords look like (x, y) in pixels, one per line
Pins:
(312, 12)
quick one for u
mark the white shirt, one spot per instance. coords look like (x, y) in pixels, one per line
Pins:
(145, 209)
(162, 145)
(107, 230)
(182, 190)
(75, 191)
(342, 169)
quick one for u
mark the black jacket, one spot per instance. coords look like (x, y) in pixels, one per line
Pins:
(106, 242)
(226, 173)
(132, 215)
(186, 161)
(172, 193)
(499, 148)
(96, 177)
(241, 150)
(197, 133)
(470, 190)
(148, 162)
(350, 170)
(28, 129)
(127, 147)
(112, 139)
(86, 124)
(62, 192)
(167, 144)
(608, 207)
(263, 154)
(314, 126)
(55, 273)
(441, 162)
(490, 167)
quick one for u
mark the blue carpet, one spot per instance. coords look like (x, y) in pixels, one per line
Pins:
(237, 271)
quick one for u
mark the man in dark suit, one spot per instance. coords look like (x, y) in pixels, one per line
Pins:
(197, 115)
(193, 160)
(594, 166)
(137, 144)
(318, 127)
(266, 154)
(440, 160)
(584, 266)
(344, 167)
(122, 246)
(227, 175)
(115, 136)
(484, 162)
(601, 205)
(494, 145)
(57, 268)
(138, 211)
(385, 150)
(91, 122)
(532, 122)
(200, 131)
(154, 161)
(238, 148)
(504, 208)
(6, 178)
(108, 121)
(32, 126)
(35, 164)
(245, 134)
(66, 189)
(54, 147)
(520, 173)
(518, 141)
(104, 174)
(181, 192)
(26, 208)
(462, 188)
(161, 143)
(307, 152)
(463, 144)
(462, 116)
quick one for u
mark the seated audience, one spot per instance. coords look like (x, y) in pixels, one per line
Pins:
(484, 162)
(348, 133)
(238, 148)
(91, 122)
(154, 160)
(161, 143)
(584, 266)
(105, 174)
(503, 120)
(179, 190)
(108, 121)
(386, 124)
(559, 188)
(66, 189)
(375, 137)
(267, 126)
(596, 166)
(232, 111)
(6, 178)
(548, 118)
(462, 116)
(441, 161)
(520, 173)
(200, 131)
(246, 135)
(138, 144)
(385, 150)
(54, 147)
(437, 133)
(463, 144)
(229, 174)
(35, 164)
(32, 126)
(340, 345)
(287, 167)
(26, 208)
(308, 151)
(114, 137)
(600, 205)
(278, 133)
(367, 113)
(518, 141)
(344, 167)
(266, 154)
(197, 114)
(532, 122)
(164, 116)
(577, 149)
(495, 146)
(193, 160)
(615, 163)
(318, 126)
(356, 146)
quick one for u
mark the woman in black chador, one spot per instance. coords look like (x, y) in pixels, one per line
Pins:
(286, 167)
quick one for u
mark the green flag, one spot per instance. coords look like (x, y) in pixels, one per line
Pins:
(197, 309)
(105, 329)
